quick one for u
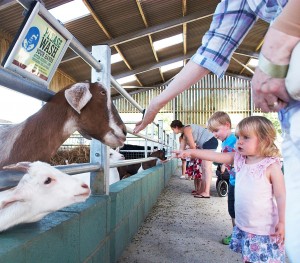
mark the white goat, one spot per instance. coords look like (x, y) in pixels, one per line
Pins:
(42, 190)
(114, 156)
(84, 107)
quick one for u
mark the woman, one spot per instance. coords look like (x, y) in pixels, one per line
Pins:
(195, 136)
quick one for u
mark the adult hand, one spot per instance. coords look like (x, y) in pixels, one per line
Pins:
(269, 93)
(148, 118)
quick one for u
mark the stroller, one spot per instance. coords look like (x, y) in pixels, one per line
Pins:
(222, 181)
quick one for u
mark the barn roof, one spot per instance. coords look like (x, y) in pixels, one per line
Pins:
(130, 27)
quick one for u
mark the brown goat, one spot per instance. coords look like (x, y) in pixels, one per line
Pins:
(82, 107)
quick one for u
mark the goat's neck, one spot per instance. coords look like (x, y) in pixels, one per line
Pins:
(42, 134)
(15, 214)
(52, 130)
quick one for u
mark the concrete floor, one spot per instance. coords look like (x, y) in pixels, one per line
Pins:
(183, 229)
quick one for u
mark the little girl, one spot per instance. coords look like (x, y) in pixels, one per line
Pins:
(259, 191)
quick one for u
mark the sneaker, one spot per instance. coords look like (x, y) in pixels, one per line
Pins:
(226, 240)
(182, 177)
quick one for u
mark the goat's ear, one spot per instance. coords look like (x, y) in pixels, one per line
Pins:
(78, 95)
(21, 166)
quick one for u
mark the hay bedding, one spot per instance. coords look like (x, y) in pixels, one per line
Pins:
(80, 154)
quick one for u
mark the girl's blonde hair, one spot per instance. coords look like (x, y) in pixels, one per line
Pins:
(265, 132)
(217, 119)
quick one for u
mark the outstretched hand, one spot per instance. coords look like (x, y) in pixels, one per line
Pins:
(181, 154)
(139, 126)
(148, 118)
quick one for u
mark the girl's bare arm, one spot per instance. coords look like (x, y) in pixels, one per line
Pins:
(277, 181)
(207, 155)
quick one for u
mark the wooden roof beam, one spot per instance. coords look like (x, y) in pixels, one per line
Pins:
(6, 4)
(154, 65)
(147, 31)
(149, 36)
(100, 24)
(257, 48)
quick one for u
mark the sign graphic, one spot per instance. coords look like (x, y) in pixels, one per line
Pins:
(40, 49)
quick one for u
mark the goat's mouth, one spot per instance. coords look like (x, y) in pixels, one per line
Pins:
(83, 195)
(113, 140)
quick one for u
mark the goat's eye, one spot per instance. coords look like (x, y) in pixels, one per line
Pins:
(102, 92)
(48, 180)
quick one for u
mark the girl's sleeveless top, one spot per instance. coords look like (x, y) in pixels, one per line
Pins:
(255, 206)
(201, 135)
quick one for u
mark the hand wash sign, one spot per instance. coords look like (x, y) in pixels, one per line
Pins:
(40, 49)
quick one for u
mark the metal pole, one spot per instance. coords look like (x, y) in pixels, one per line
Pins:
(124, 93)
(99, 151)
(160, 133)
(15, 82)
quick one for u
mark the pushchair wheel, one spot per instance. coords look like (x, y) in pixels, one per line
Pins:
(222, 187)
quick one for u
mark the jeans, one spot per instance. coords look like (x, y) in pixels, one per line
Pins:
(290, 123)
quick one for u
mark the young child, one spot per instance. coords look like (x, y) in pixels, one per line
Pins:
(259, 191)
(220, 125)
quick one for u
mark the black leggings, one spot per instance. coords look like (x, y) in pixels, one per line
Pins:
(211, 144)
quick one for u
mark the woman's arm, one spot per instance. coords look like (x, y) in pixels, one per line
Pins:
(207, 155)
(188, 76)
(277, 181)
(182, 145)
(289, 20)
(231, 22)
(188, 134)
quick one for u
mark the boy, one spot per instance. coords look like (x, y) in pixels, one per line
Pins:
(220, 125)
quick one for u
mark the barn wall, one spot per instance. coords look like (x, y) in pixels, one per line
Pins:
(197, 104)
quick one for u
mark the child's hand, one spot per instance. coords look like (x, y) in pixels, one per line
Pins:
(181, 154)
(279, 233)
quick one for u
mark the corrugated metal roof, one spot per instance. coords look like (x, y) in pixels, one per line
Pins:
(128, 24)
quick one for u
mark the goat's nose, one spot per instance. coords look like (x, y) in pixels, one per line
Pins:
(84, 186)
